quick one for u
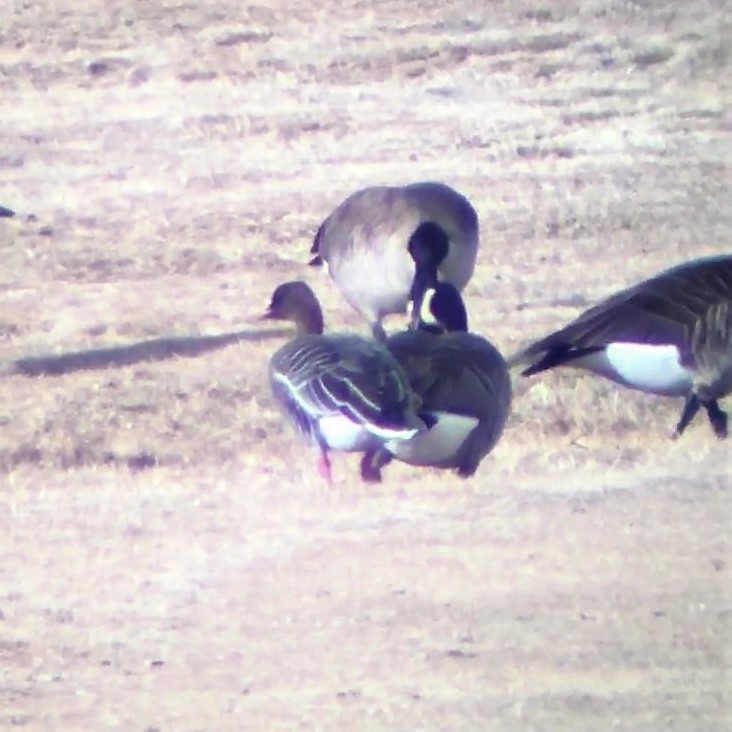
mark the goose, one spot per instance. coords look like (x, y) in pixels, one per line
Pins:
(464, 384)
(461, 378)
(363, 244)
(669, 335)
(341, 391)
(6, 212)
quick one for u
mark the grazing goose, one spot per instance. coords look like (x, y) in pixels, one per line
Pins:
(462, 379)
(669, 335)
(363, 244)
(342, 392)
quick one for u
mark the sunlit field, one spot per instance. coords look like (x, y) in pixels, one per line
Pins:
(171, 559)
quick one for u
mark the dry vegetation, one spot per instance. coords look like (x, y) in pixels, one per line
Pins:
(170, 560)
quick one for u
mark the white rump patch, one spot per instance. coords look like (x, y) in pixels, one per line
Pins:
(653, 369)
(436, 445)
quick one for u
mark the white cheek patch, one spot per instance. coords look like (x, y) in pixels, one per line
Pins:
(654, 369)
(425, 313)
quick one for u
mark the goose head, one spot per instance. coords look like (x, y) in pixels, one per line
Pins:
(441, 310)
(428, 246)
(296, 302)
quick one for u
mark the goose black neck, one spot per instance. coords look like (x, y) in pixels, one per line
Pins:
(424, 279)
(428, 247)
(454, 317)
(447, 309)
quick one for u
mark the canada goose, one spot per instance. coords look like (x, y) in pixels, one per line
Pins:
(464, 384)
(669, 335)
(341, 391)
(363, 244)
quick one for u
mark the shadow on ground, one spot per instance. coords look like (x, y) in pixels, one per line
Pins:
(157, 349)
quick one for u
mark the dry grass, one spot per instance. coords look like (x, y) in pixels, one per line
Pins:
(171, 560)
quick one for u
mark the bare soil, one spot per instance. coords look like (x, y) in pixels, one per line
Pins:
(170, 559)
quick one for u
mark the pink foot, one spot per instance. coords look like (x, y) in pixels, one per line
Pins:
(324, 467)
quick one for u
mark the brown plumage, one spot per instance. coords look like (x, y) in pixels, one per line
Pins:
(363, 244)
(686, 312)
(464, 385)
(341, 391)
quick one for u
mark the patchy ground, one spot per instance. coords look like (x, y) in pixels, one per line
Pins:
(170, 559)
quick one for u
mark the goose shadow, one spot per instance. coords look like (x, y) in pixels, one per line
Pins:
(157, 349)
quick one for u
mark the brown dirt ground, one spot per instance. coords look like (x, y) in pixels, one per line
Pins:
(170, 560)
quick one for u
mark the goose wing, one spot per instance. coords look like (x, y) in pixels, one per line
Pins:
(461, 373)
(347, 375)
(663, 310)
(711, 343)
(445, 206)
(363, 217)
(380, 213)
